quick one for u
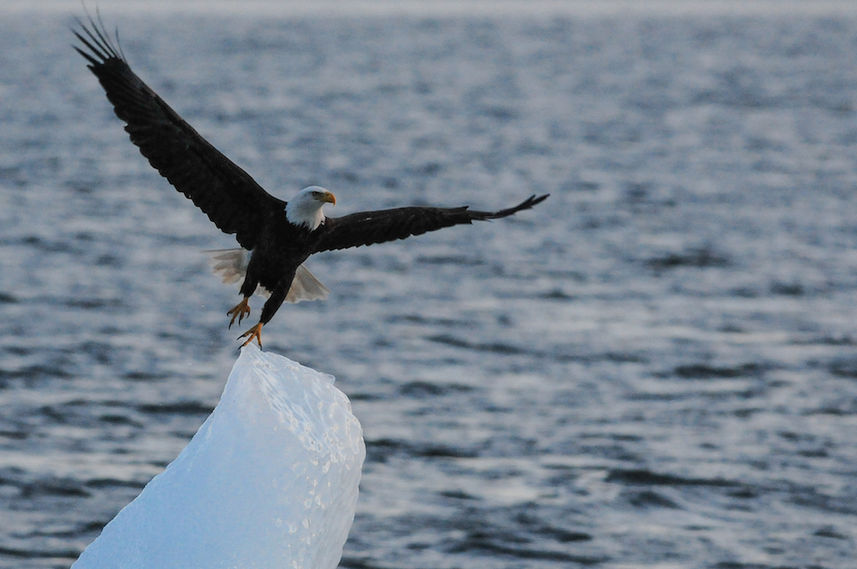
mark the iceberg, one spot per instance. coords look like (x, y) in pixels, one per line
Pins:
(269, 481)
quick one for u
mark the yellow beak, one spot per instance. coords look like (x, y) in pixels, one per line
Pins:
(329, 198)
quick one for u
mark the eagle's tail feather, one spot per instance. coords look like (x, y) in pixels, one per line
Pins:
(306, 287)
(231, 266)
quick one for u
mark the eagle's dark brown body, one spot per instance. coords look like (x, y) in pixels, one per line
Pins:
(230, 197)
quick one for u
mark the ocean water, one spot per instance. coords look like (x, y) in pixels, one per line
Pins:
(655, 368)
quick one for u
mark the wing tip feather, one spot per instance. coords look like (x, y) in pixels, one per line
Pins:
(95, 38)
(528, 203)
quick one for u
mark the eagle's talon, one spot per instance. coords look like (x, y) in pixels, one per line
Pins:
(254, 332)
(239, 311)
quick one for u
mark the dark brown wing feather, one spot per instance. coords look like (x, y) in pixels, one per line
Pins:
(226, 193)
(368, 227)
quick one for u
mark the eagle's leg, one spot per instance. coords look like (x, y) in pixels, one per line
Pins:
(254, 332)
(239, 311)
(278, 295)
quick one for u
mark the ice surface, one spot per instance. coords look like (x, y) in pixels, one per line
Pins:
(269, 480)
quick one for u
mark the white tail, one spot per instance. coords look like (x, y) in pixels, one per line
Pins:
(231, 266)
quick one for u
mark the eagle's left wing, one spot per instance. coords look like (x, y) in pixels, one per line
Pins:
(369, 227)
(219, 187)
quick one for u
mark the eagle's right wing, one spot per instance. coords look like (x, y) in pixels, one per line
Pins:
(226, 193)
(369, 227)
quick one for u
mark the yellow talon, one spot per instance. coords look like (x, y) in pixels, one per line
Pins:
(254, 332)
(239, 311)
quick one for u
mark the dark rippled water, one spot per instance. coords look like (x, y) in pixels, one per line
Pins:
(657, 369)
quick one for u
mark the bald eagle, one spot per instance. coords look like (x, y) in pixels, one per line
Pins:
(275, 236)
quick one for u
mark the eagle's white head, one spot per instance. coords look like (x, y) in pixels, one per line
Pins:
(305, 208)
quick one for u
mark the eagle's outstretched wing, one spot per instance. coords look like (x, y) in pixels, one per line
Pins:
(368, 227)
(226, 193)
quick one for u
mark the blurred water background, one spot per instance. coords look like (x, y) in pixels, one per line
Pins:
(656, 368)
